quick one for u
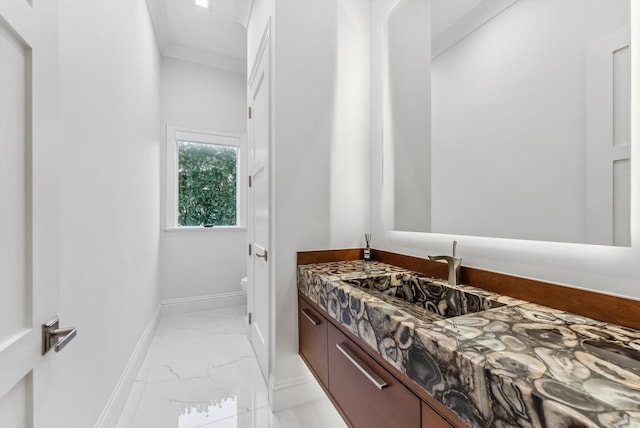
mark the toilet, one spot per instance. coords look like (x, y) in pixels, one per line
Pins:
(244, 282)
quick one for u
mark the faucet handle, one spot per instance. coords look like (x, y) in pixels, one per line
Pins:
(454, 264)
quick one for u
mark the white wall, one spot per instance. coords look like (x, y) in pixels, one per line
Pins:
(607, 269)
(211, 261)
(319, 146)
(303, 97)
(109, 198)
(349, 171)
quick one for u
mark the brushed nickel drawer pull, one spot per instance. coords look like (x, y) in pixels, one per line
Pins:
(310, 317)
(360, 365)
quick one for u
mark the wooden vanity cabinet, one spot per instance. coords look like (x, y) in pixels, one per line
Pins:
(432, 419)
(367, 394)
(354, 380)
(312, 332)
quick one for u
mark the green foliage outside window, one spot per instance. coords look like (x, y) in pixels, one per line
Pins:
(206, 184)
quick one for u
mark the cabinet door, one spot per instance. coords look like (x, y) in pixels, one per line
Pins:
(432, 419)
(367, 393)
(312, 328)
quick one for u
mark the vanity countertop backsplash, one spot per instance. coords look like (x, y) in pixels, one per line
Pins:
(495, 361)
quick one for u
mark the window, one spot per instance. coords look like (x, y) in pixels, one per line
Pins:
(203, 178)
(207, 184)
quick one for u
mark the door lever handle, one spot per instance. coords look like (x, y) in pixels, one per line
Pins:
(55, 337)
(64, 335)
(264, 255)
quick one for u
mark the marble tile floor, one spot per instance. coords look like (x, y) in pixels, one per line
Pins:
(201, 372)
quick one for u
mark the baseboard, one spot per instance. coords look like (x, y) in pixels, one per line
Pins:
(294, 391)
(201, 303)
(111, 412)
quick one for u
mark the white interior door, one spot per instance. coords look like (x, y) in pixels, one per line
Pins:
(259, 262)
(28, 209)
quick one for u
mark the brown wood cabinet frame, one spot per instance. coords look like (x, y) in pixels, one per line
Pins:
(437, 407)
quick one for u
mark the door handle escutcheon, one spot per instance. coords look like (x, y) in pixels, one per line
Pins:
(55, 337)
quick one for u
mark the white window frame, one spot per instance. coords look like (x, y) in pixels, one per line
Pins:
(198, 134)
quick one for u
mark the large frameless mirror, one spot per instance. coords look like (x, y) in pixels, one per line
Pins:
(508, 119)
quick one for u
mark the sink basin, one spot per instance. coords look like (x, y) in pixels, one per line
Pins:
(436, 296)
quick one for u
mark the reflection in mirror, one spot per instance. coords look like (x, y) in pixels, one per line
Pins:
(518, 126)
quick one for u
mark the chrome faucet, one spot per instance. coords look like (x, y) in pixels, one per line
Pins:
(454, 263)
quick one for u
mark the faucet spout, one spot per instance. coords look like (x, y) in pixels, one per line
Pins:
(454, 263)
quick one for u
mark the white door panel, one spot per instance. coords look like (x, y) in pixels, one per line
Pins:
(13, 216)
(16, 332)
(28, 210)
(259, 135)
(15, 405)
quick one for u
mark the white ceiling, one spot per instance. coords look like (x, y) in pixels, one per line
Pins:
(214, 36)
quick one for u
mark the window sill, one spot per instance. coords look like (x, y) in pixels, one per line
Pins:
(202, 229)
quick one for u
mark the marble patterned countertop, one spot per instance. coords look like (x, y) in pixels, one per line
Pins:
(513, 363)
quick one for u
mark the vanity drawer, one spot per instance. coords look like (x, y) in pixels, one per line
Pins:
(313, 340)
(367, 393)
